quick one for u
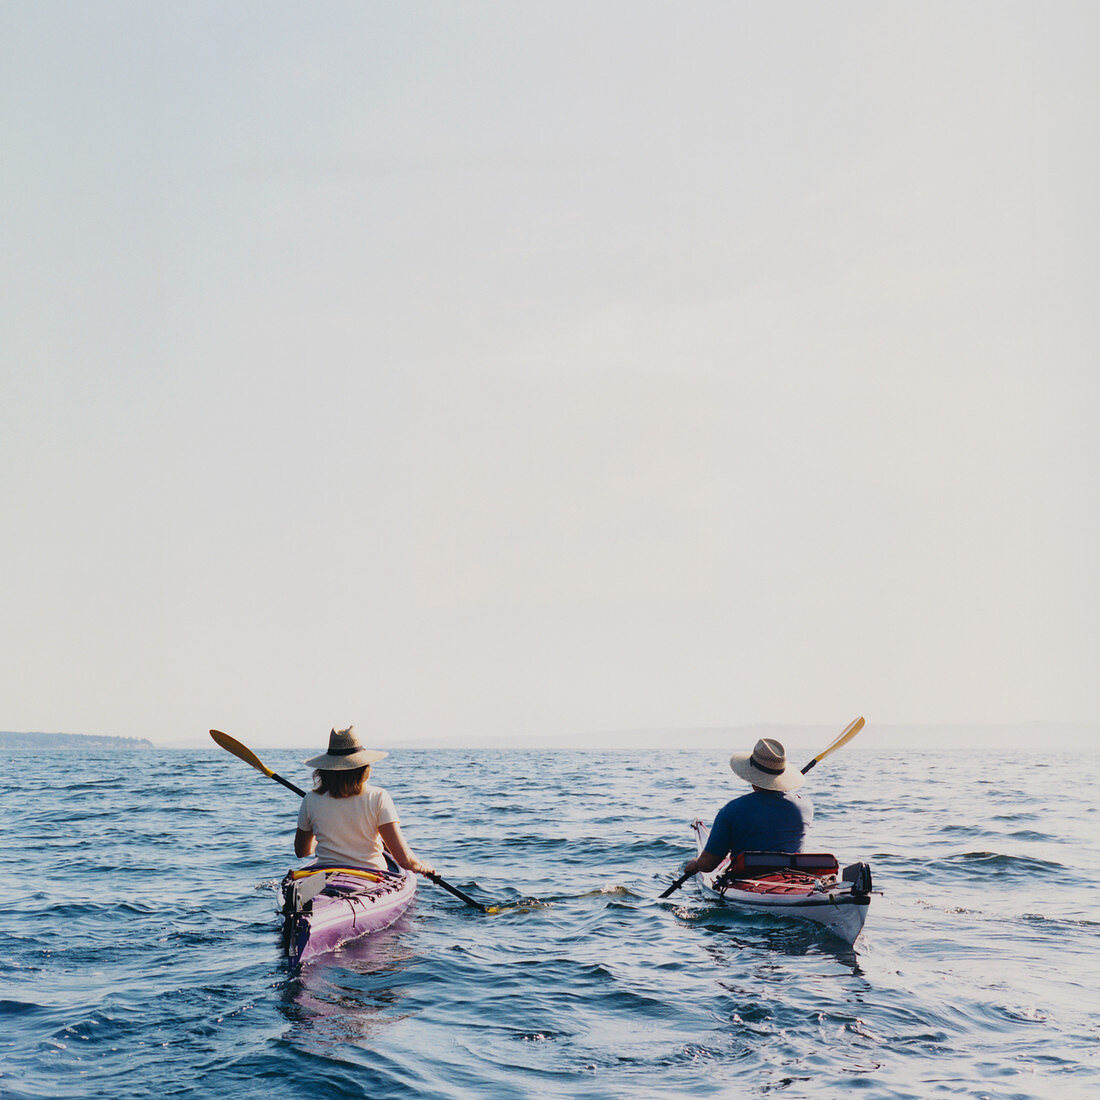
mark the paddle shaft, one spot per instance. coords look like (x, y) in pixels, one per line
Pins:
(454, 890)
(244, 753)
(289, 786)
(844, 737)
(676, 885)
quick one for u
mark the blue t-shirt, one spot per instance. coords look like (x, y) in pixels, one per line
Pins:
(761, 821)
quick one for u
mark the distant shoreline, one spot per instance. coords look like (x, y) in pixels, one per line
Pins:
(941, 737)
(11, 740)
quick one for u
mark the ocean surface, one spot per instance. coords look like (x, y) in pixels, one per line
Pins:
(140, 940)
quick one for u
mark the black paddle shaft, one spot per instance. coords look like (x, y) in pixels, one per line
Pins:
(289, 786)
(676, 885)
(454, 890)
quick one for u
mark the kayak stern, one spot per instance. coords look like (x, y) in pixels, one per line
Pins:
(806, 886)
(350, 902)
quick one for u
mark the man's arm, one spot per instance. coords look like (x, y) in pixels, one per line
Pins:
(704, 861)
(718, 843)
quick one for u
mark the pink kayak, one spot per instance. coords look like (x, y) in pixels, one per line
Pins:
(324, 907)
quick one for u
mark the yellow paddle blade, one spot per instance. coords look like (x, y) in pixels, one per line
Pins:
(240, 752)
(845, 736)
(849, 732)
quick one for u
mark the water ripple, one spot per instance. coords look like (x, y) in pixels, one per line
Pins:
(145, 962)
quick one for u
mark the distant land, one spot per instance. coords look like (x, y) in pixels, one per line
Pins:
(9, 740)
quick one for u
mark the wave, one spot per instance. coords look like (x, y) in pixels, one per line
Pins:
(997, 861)
(10, 1007)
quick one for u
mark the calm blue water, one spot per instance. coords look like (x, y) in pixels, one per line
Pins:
(139, 938)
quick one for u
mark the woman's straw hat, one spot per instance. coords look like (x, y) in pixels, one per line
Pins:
(344, 752)
(766, 766)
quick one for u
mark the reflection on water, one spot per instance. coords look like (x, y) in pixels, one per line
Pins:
(349, 995)
(772, 936)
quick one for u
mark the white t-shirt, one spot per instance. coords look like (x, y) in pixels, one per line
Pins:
(347, 828)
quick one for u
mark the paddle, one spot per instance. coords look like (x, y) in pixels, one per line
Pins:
(249, 757)
(845, 736)
(676, 885)
(244, 753)
(839, 743)
(457, 893)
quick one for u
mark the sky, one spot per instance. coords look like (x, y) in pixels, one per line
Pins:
(470, 370)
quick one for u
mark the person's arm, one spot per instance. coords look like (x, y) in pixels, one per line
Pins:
(717, 846)
(396, 846)
(704, 861)
(305, 843)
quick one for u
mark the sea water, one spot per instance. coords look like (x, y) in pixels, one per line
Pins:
(139, 937)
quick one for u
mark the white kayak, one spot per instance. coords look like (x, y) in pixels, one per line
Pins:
(807, 885)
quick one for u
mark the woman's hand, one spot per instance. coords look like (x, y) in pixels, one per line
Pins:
(396, 846)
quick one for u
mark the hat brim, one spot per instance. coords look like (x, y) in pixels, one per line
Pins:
(790, 779)
(329, 763)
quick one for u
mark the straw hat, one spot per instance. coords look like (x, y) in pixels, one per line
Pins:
(344, 752)
(766, 766)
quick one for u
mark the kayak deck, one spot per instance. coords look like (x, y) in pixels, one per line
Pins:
(323, 907)
(803, 885)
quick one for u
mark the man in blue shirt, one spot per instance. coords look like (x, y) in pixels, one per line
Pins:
(770, 819)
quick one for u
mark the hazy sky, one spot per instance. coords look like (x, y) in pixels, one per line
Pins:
(466, 369)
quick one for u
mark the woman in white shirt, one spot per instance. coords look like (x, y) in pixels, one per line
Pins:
(345, 821)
